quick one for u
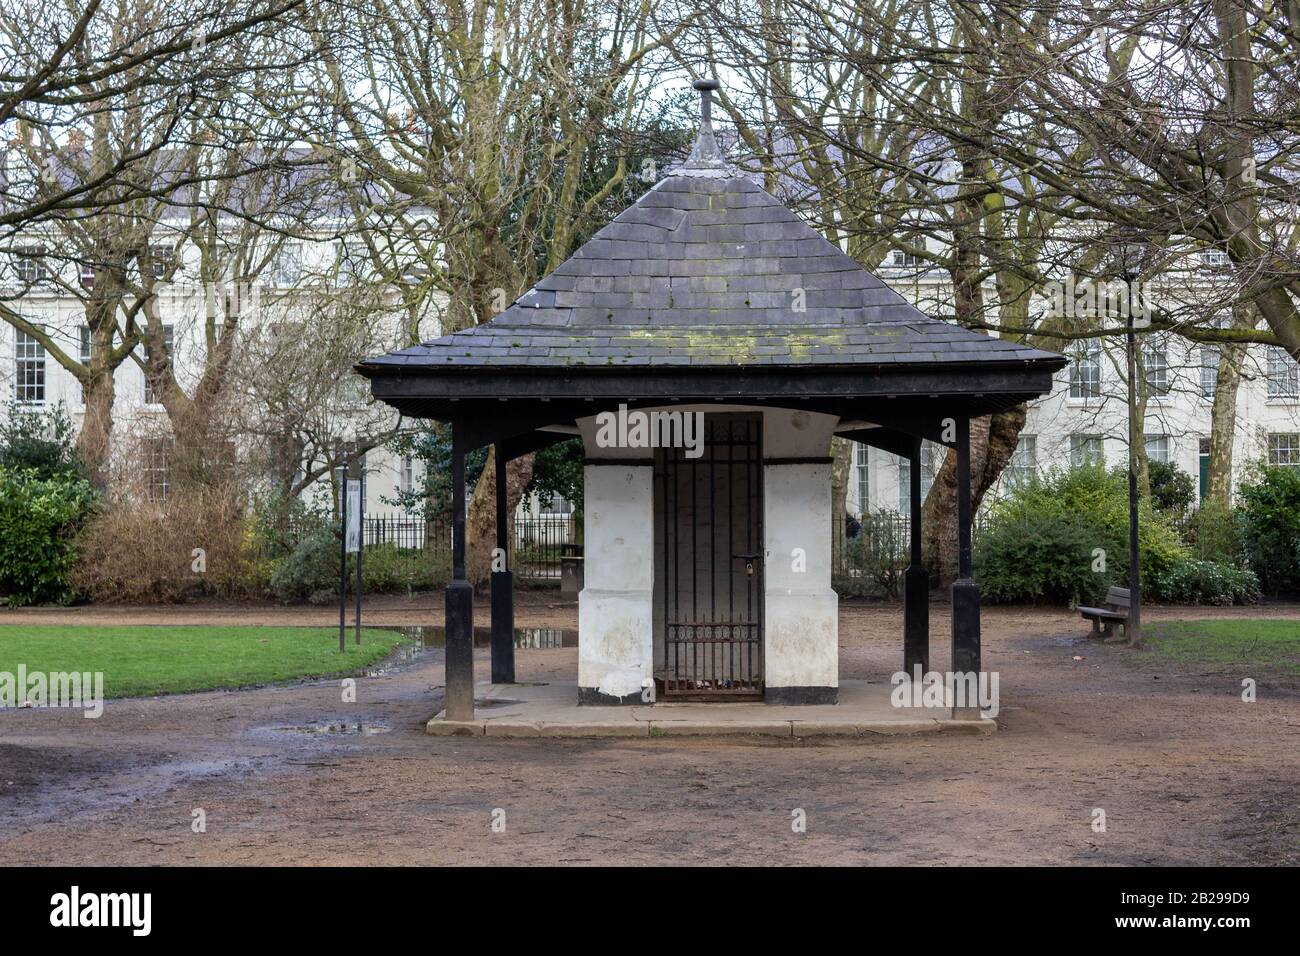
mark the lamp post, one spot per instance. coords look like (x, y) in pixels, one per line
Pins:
(1130, 252)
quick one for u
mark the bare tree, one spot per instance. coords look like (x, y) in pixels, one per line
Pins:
(111, 106)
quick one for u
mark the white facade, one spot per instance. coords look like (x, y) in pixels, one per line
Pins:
(1086, 411)
(31, 378)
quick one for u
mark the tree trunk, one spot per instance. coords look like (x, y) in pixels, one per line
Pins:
(95, 438)
(1223, 416)
(481, 516)
(841, 464)
(1137, 431)
(1223, 424)
(993, 441)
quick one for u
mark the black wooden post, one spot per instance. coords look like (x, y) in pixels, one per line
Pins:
(916, 583)
(341, 476)
(965, 592)
(503, 596)
(459, 596)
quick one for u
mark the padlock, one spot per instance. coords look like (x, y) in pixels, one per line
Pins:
(749, 568)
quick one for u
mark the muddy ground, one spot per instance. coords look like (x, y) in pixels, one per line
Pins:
(1184, 770)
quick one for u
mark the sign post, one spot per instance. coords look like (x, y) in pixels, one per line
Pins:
(340, 475)
(360, 511)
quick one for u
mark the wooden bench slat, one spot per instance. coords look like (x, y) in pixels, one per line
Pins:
(1103, 612)
(1118, 597)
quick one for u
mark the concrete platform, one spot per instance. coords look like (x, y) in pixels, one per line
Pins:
(551, 710)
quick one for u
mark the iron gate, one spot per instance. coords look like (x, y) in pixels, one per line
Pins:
(710, 530)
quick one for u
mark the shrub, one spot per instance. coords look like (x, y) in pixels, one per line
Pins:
(1172, 489)
(388, 569)
(39, 521)
(1063, 538)
(1269, 522)
(310, 571)
(280, 522)
(40, 441)
(1205, 582)
(1034, 557)
(139, 552)
(884, 552)
(1213, 534)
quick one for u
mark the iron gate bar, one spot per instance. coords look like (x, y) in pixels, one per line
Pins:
(717, 654)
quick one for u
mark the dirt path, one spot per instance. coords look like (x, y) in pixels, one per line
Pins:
(1185, 771)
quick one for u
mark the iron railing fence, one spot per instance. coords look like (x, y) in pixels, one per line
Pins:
(870, 553)
(539, 542)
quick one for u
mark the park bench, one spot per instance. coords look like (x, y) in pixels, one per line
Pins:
(1115, 612)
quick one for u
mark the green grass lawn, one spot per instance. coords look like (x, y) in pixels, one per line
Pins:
(1270, 644)
(140, 661)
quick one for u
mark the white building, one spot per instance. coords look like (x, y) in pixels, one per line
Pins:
(49, 291)
(1086, 416)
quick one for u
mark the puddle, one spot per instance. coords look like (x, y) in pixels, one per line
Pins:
(338, 728)
(535, 638)
(421, 639)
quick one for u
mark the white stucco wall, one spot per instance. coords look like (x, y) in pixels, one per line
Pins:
(801, 626)
(615, 644)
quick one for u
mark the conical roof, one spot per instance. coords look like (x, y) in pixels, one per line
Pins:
(709, 269)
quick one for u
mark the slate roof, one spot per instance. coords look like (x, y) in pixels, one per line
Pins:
(708, 269)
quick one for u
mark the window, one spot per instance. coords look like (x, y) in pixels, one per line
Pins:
(1284, 450)
(29, 263)
(1086, 450)
(1155, 371)
(163, 256)
(1159, 448)
(152, 387)
(1214, 259)
(29, 369)
(1209, 371)
(1283, 374)
(1024, 461)
(906, 260)
(905, 477)
(554, 505)
(87, 273)
(83, 353)
(408, 474)
(287, 267)
(864, 483)
(1085, 373)
(157, 454)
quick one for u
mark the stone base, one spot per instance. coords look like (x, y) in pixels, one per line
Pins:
(551, 710)
(592, 697)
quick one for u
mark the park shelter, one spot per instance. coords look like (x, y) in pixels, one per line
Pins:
(708, 568)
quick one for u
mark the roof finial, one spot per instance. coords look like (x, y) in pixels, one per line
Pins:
(706, 153)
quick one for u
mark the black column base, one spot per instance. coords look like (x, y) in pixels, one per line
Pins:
(459, 694)
(916, 619)
(965, 627)
(503, 627)
(809, 696)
